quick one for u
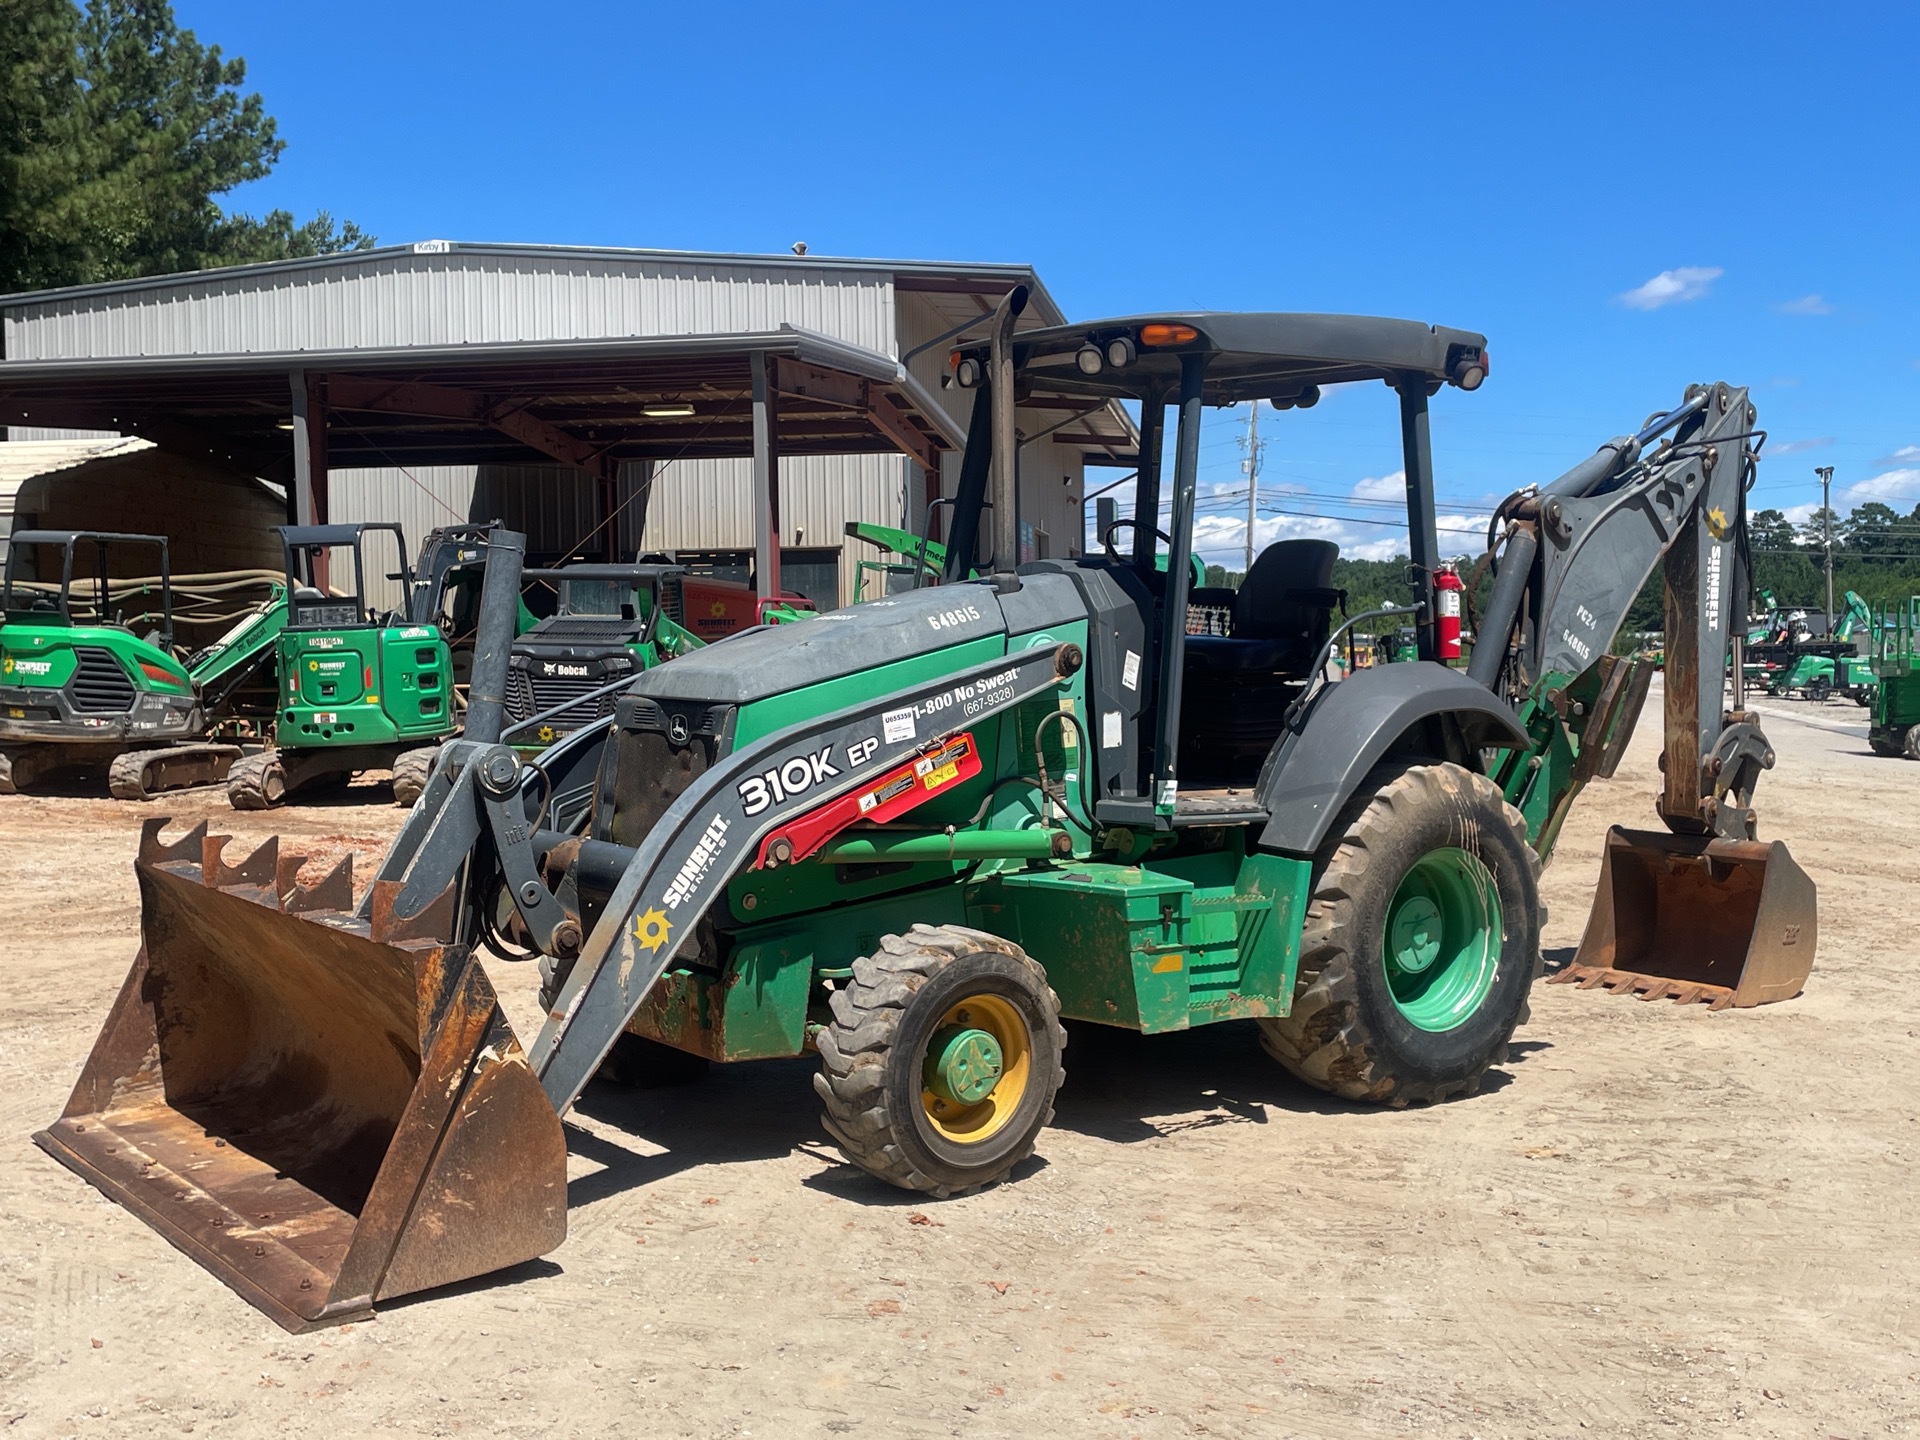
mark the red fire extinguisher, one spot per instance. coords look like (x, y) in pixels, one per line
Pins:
(1447, 590)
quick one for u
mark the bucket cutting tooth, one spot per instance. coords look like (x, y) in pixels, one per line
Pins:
(324, 1111)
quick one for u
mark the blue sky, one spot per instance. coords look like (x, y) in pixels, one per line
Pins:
(1623, 198)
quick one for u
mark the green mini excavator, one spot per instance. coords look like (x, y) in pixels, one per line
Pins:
(90, 680)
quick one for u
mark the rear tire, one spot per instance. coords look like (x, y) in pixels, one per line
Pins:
(1910, 743)
(411, 771)
(943, 1059)
(1817, 691)
(1421, 944)
(258, 782)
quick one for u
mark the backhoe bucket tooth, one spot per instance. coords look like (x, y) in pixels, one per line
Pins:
(1695, 919)
(323, 1119)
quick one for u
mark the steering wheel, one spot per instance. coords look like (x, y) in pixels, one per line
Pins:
(1106, 536)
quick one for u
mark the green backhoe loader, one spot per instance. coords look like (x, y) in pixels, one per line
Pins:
(913, 836)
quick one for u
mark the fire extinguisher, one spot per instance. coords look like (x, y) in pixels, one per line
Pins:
(1447, 591)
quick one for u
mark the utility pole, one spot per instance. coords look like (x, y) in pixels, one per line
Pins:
(1825, 472)
(1252, 444)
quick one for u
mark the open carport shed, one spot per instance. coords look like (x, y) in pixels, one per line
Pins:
(438, 300)
(591, 405)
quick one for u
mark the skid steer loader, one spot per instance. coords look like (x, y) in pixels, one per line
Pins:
(912, 835)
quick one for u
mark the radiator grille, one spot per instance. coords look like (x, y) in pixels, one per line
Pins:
(98, 683)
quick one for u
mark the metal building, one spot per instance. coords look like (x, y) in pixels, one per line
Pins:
(66, 354)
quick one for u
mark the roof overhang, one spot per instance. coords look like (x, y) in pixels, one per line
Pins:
(586, 402)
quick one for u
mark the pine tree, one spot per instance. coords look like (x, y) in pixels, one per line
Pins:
(118, 130)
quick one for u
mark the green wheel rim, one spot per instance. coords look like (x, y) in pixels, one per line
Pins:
(1441, 947)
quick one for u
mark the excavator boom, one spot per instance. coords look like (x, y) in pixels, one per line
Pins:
(1573, 557)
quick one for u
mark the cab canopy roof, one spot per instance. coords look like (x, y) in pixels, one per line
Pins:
(1251, 355)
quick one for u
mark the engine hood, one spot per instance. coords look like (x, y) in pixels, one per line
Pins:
(781, 658)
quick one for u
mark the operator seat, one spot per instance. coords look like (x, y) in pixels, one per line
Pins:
(1281, 612)
(1237, 687)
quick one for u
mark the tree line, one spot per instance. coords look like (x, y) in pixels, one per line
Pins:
(118, 133)
(1876, 554)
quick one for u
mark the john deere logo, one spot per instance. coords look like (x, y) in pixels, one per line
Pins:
(1717, 523)
(677, 730)
(652, 930)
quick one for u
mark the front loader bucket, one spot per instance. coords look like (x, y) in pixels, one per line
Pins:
(1692, 918)
(325, 1112)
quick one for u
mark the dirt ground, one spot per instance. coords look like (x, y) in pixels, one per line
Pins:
(1655, 1220)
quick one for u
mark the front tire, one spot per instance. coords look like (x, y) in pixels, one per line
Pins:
(1421, 944)
(943, 1059)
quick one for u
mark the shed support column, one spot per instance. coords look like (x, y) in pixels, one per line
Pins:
(307, 499)
(1423, 541)
(766, 485)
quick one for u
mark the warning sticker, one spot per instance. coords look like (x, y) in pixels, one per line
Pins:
(1130, 670)
(1110, 730)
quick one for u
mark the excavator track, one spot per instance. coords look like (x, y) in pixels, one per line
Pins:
(142, 774)
(411, 771)
(258, 782)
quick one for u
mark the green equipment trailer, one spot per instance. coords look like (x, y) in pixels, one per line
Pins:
(1895, 729)
(90, 680)
(358, 689)
(912, 836)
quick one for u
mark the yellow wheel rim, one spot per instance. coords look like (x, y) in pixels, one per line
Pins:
(960, 1050)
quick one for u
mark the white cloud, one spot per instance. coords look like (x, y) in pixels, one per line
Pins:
(1889, 487)
(1905, 455)
(1671, 287)
(1805, 305)
(1798, 447)
(1800, 514)
(1382, 487)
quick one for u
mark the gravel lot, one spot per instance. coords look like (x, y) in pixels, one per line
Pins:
(1654, 1221)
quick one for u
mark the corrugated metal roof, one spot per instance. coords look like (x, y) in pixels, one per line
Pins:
(990, 271)
(478, 293)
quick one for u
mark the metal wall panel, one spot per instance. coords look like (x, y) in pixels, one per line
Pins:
(708, 504)
(461, 297)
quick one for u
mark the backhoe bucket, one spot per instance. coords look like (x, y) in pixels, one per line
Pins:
(1691, 918)
(325, 1112)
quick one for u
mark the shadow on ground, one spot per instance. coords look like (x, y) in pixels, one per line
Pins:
(1121, 1088)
